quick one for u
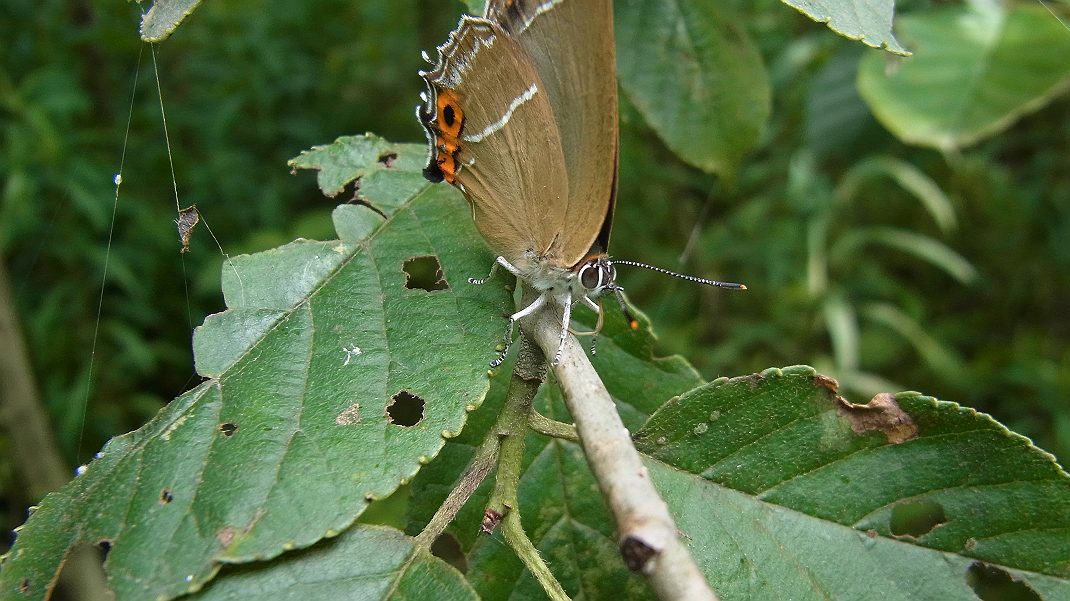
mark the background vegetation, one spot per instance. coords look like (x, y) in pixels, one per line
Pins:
(247, 85)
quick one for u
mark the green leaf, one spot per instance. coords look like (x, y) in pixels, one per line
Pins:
(351, 158)
(475, 7)
(921, 246)
(164, 17)
(696, 77)
(938, 356)
(784, 490)
(975, 71)
(869, 21)
(910, 178)
(290, 438)
(365, 562)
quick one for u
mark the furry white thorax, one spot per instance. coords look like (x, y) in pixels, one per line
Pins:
(558, 285)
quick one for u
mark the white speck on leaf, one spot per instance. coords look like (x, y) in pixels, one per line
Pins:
(351, 353)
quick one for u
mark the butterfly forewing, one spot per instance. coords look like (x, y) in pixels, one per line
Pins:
(495, 139)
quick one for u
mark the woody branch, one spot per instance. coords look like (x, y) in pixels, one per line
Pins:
(648, 538)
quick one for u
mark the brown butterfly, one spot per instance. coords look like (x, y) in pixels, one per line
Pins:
(521, 116)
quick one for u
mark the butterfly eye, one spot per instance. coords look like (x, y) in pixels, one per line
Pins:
(591, 276)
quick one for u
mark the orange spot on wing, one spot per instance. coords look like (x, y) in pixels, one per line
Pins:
(449, 116)
(449, 121)
(448, 165)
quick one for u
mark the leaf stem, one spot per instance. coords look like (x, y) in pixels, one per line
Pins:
(513, 423)
(526, 551)
(553, 428)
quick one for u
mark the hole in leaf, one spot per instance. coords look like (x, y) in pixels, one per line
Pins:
(916, 518)
(424, 273)
(104, 545)
(166, 496)
(993, 584)
(406, 409)
(228, 428)
(86, 554)
(388, 158)
(448, 549)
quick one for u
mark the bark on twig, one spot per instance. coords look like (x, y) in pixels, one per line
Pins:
(647, 534)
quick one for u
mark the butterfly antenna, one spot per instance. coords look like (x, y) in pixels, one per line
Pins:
(618, 292)
(690, 278)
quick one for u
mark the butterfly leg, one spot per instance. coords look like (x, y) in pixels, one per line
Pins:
(494, 268)
(566, 317)
(597, 308)
(515, 317)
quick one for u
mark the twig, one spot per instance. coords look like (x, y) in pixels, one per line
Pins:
(512, 425)
(526, 551)
(481, 465)
(553, 428)
(647, 534)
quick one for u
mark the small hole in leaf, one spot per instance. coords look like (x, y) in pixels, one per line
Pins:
(228, 428)
(388, 158)
(24, 586)
(406, 409)
(916, 518)
(104, 545)
(993, 584)
(424, 273)
(166, 496)
(448, 549)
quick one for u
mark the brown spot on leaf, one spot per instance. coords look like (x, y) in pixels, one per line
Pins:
(970, 544)
(424, 273)
(226, 535)
(166, 496)
(882, 413)
(826, 382)
(349, 416)
(24, 586)
(228, 428)
(405, 409)
(754, 380)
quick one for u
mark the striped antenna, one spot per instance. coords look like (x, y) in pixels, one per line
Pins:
(690, 278)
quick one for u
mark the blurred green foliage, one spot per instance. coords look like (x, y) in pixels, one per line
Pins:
(886, 265)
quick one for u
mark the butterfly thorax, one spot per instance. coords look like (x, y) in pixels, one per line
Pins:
(591, 277)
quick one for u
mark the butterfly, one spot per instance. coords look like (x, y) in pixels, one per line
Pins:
(520, 113)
